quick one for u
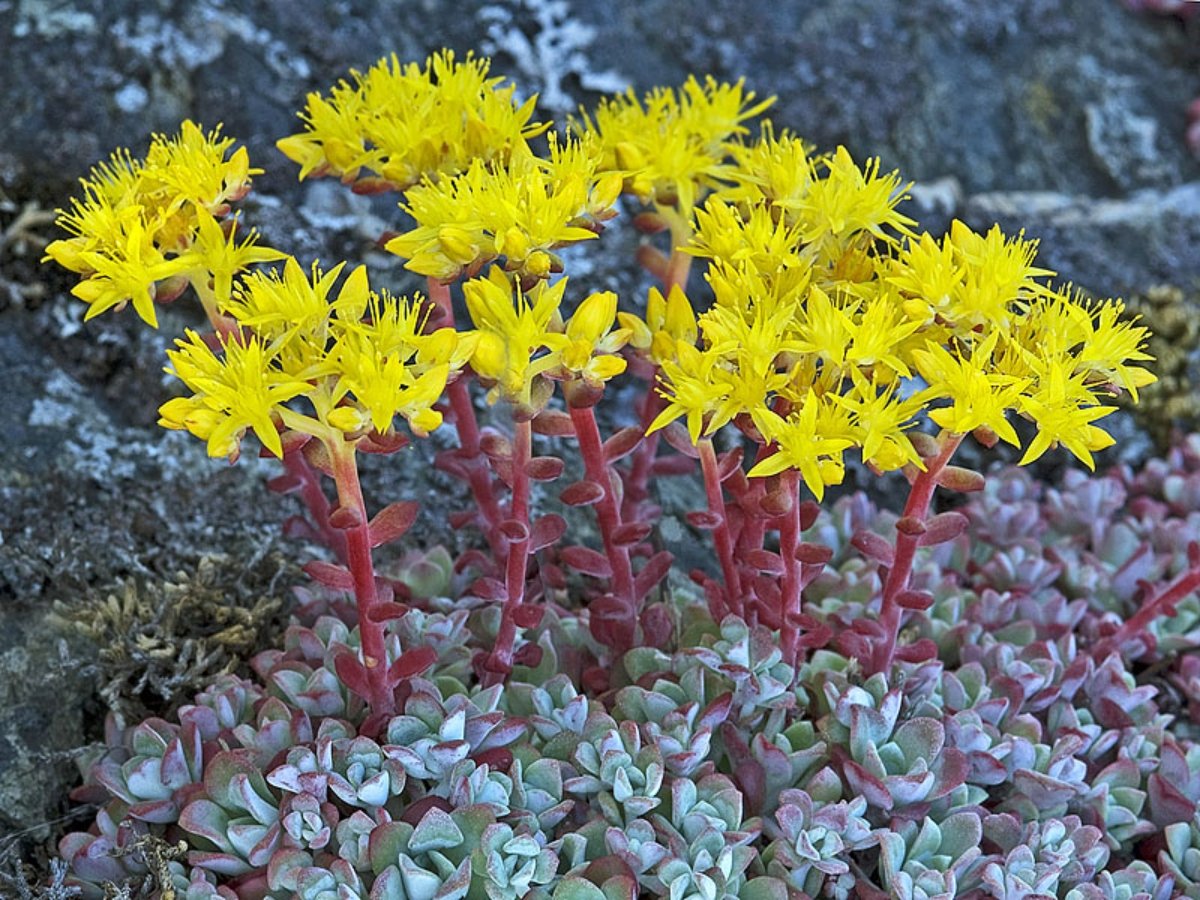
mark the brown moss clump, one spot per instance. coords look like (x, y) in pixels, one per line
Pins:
(161, 641)
(1172, 405)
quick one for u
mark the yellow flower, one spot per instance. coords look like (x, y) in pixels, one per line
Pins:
(667, 321)
(759, 239)
(849, 201)
(774, 173)
(810, 440)
(1064, 410)
(591, 345)
(880, 419)
(693, 387)
(519, 334)
(979, 397)
(239, 390)
(216, 253)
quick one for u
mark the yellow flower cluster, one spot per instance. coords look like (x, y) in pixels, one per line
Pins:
(145, 228)
(408, 122)
(672, 146)
(836, 327)
(521, 211)
(359, 359)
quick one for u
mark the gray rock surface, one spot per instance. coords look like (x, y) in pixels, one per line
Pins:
(1065, 117)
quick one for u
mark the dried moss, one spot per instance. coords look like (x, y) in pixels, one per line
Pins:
(1172, 405)
(159, 642)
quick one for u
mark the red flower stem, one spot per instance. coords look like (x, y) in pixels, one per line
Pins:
(721, 535)
(793, 580)
(608, 514)
(362, 570)
(479, 477)
(919, 497)
(1161, 604)
(315, 502)
(499, 663)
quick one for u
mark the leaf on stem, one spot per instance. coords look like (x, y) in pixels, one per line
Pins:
(965, 481)
(587, 561)
(352, 673)
(654, 571)
(544, 468)
(410, 663)
(676, 435)
(764, 561)
(546, 531)
(346, 517)
(943, 527)
(582, 493)
(704, 520)
(630, 533)
(872, 546)
(330, 575)
(622, 443)
(393, 521)
(553, 423)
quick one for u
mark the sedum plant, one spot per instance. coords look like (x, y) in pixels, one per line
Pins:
(990, 697)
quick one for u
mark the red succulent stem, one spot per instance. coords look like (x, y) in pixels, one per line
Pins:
(362, 569)
(640, 468)
(499, 662)
(793, 581)
(315, 501)
(917, 507)
(479, 477)
(608, 514)
(722, 536)
(1162, 603)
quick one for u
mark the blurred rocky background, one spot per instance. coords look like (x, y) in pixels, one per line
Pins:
(131, 566)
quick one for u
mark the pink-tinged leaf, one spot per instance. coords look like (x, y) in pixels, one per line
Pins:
(775, 503)
(299, 528)
(704, 520)
(330, 575)
(918, 600)
(874, 547)
(218, 863)
(546, 531)
(943, 527)
(387, 612)
(318, 457)
(514, 530)
(654, 571)
(910, 525)
(527, 615)
(528, 655)
(917, 652)
(495, 446)
(813, 554)
(544, 468)
(965, 481)
(716, 712)
(374, 442)
(587, 561)
(452, 462)
(489, 589)
(728, 463)
(553, 423)
(672, 465)
(345, 518)
(677, 436)
(352, 673)
(283, 484)
(159, 812)
(461, 519)
(411, 663)
(809, 511)
(293, 441)
(630, 533)
(393, 521)
(504, 470)
(582, 493)
(657, 625)
(764, 561)
(622, 443)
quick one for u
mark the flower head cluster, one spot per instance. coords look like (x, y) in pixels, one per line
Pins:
(143, 227)
(359, 358)
(672, 147)
(826, 323)
(522, 211)
(404, 122)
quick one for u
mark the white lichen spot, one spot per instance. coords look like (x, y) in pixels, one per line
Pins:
(51, 20)
(549, 56)
(132, 98)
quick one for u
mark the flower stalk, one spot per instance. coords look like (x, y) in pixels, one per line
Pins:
(517, 533)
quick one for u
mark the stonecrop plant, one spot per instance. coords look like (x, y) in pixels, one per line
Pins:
(988, 697)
